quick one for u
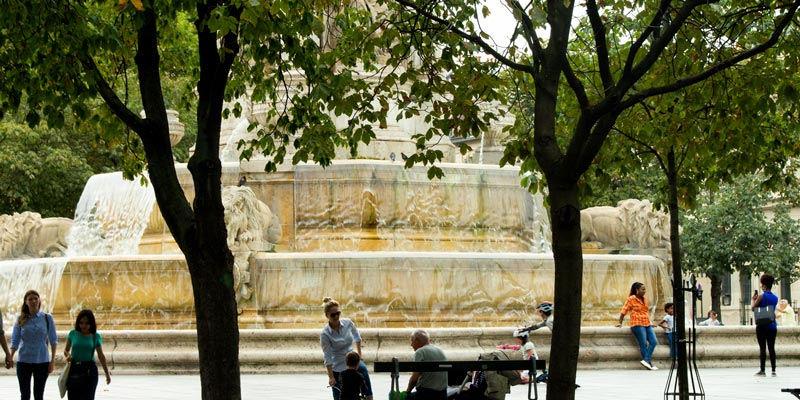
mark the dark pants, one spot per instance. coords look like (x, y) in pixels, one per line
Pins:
(82, 382)
(427, 394)
(362, 369)
(39, 373)
(766, 340)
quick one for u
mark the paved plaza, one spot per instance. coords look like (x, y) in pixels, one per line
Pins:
(719, 384)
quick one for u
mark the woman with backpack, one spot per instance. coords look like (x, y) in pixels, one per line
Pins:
(766, 332)
(82, 342)
(32, 332)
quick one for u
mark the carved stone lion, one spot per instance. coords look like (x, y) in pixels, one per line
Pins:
(252, 227)
(631, 224)
(28, 235)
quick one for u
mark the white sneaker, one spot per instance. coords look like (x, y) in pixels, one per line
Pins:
(645, 364)
(653, 367)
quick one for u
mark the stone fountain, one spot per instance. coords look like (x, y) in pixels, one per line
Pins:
(397, 249)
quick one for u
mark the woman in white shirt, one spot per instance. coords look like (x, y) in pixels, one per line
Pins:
(784, 314)
(337, 339)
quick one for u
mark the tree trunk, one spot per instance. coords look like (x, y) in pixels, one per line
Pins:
(217, 326)
(211, 266)
(716, 294)
(677, 277)
(744, 310)
(568, 257)
(202, 236)
(199, 231)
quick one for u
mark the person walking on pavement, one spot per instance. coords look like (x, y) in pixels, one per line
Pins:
(82, 343)
(33, 331)
(642, 329)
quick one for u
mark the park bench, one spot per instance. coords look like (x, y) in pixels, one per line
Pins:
(462, 367)
(793, 391)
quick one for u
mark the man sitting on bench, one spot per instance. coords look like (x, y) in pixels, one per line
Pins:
(430, 385)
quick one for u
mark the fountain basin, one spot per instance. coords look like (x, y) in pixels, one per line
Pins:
(376, 289)
(371, 205)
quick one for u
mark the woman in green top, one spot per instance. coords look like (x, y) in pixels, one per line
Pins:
(84, 341)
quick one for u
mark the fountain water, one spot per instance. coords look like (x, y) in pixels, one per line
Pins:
(111, 216)
(17, 276)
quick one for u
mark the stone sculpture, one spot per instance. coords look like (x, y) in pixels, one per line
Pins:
(28, 235)
(631, 224)
(252, 227)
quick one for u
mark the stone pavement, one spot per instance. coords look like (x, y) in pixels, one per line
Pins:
(719, 384)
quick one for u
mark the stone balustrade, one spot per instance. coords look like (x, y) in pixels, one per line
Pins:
(298, 350)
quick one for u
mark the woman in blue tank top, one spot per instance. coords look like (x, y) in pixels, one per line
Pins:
(766, 333)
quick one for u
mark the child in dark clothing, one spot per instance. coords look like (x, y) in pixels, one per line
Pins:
(353, 385)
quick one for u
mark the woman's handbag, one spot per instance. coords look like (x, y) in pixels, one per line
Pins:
(764, 315)
(62, 380)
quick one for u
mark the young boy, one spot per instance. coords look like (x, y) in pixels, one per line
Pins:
(353, 385)
(668, 323)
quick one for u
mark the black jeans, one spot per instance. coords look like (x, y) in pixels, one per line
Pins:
(766, 340)
(39, 373)
(82, 382)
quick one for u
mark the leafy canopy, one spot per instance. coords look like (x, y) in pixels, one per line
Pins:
(735, 234)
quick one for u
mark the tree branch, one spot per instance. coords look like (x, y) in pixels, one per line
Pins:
(148, 62)
(721, 66)
(531, 37)
(599, 31)
(591, 146)
(471, 38)
(575, 83)
(652, 28)
(635, 73)
(214, 71)
(113, 101)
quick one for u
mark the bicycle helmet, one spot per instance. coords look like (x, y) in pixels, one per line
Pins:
(521, 333)
(545, 307)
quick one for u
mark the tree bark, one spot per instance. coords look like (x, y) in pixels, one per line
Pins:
(744, 310)
(217, 325)
(211, 267)
(677, 278)
(199, 231)
(716, 293)
(202, 237)
(568, 258)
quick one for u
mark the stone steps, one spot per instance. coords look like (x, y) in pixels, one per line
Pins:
(298, 350)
